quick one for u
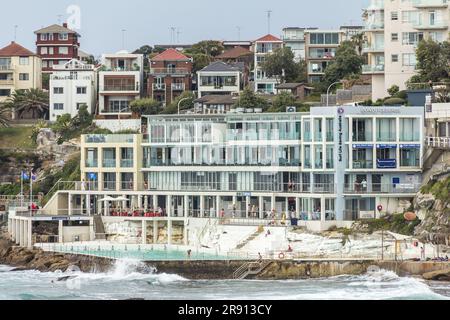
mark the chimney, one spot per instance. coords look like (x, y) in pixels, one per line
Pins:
(65, 24)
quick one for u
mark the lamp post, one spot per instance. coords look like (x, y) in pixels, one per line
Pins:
(328, 91)
(179, 104)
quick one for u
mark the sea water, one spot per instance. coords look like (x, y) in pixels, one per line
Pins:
(131, 279)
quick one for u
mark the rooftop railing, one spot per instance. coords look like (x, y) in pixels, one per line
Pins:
(109, 138)
(164, 71)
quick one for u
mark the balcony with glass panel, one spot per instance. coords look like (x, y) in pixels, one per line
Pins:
(362, 130)
(430, 3)
(362, 157)
(373, 69)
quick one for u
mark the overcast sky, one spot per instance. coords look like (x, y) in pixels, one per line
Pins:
(150, 21)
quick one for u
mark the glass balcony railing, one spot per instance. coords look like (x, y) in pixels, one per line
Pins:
(369, 47)
(126, 163)
(90, 163)
(362, 164)
(430, 3)
(376, 68)
(109, 163)
(430, 25)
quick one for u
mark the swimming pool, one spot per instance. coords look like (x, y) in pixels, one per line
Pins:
(143, 253)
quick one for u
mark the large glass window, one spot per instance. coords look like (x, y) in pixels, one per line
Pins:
(362, 130)
(363, 158)
(318, 130)
(109, 181)
(318, 157)
(410, 129)
(330, 130)
(109, 157)
(307, 157)
(386, 130)
(410, 157)
(330, 157)
(126, 157)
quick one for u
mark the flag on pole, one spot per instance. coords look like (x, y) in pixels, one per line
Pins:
(25, 176)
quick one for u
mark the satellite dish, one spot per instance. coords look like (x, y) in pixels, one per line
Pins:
(410, 216)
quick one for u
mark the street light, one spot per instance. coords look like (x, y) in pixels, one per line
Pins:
(179, 103)
(328, 91)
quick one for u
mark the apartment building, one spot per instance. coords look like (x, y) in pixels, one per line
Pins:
(72, 85)
(294, 38)
(331, 164)
(170, 75)
(263, 47)
(56, 45)
(20, 69)
(321, 46)
(220, 78)
(121, 80)
(393, 30)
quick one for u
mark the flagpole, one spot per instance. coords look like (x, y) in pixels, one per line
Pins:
(31, 192)
(21, 189)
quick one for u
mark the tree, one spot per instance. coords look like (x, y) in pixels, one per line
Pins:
(281, 101)
(84, 118)
(146, 51)
(433, 60)
(281, 65)
(203, 53)
(347, 64)
(358, 41)
(248, 99)
(146, 106)
(393, 90)
(5, 116)
(188, 98)
(31, 103)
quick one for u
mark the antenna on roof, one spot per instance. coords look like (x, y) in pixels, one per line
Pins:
(178, 35)
(269, 16)
(15, 32)
(123, 38)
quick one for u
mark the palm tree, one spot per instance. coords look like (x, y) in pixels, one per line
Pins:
(5, 116)
(31, 104)
(358, 40)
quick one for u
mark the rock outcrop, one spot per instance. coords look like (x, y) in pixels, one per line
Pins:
(435, 216)
(440, 275)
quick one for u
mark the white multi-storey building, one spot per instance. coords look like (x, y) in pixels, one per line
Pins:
(120, 82)
(393, 30)
(220, 78)
(263, 47)
(328, 166)
(72, 85)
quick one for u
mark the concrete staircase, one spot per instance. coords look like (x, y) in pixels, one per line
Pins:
(250, 269)
(99, 228)
(250, 238)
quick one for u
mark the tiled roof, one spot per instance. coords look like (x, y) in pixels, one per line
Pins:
(14, 50)
(55, 28)
(269, 38)
(171, 55)
(220, 66)
(234, 53)
(218, 99)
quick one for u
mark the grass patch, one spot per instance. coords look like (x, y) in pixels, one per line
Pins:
(17, 137)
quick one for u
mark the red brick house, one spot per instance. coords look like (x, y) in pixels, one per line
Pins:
(170, 75)
(56, 45)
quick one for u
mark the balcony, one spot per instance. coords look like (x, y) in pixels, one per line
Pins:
(362, 164)
(169, 71)
(381, 188)
(430, 3)
(126, 163)
(374, 26)
(386, 163)
(376, 5)
(109, 163)
(178, 86)
(91, 163)
(430, 25)
(9, 82)
(159, 87)
(6, 67)
(373, 69)
(370, 48)
(121, 88)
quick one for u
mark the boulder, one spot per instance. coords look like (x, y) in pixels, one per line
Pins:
(424, 201)
(440, 275)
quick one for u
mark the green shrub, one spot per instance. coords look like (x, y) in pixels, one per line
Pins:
(394, 102)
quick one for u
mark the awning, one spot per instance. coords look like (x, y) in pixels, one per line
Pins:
(410, 146)
(363, 146)
(386, 146)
